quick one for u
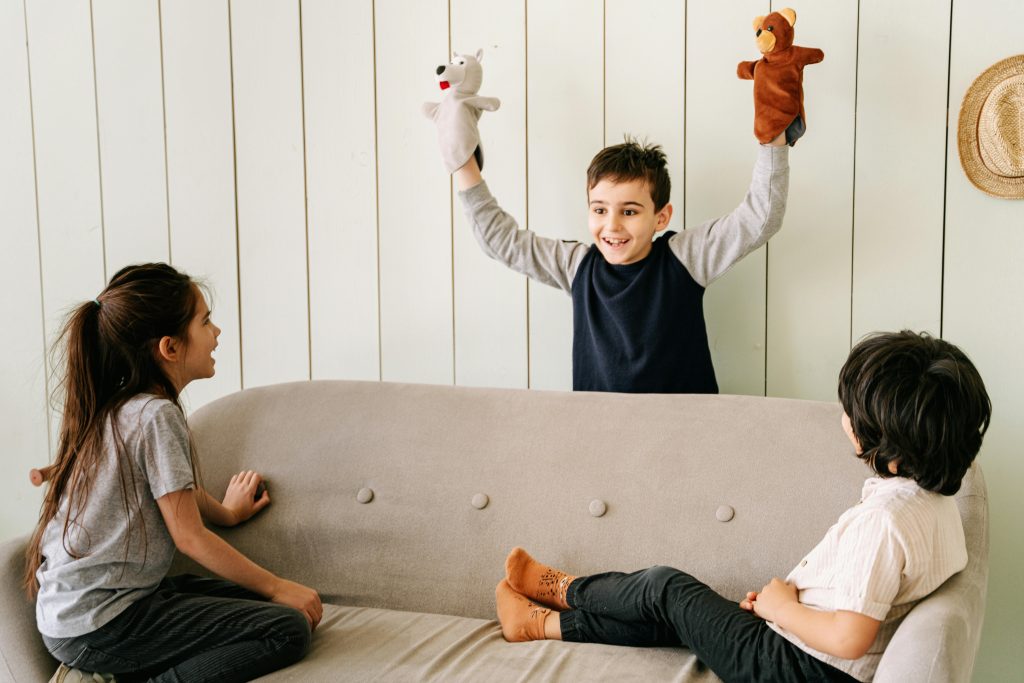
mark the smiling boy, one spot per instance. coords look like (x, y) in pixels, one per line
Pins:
(638, 311)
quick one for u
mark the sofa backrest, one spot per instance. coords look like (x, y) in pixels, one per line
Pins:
(732, 489)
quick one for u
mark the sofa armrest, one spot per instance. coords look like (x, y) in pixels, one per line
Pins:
(23, 657)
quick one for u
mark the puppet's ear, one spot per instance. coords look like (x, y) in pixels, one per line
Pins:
(757, 22)
(790, 15)
(480, 55)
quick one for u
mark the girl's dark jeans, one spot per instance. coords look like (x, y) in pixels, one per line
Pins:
(191, 629)
(662, 606)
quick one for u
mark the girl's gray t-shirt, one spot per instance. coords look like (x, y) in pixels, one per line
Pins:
(115, 553)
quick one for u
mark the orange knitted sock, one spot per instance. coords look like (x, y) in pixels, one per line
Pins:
(537, 581)
(521, 620)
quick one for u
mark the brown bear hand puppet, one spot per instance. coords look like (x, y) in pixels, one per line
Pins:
(778, 78)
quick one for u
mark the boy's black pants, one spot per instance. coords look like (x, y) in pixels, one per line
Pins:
(662, 606)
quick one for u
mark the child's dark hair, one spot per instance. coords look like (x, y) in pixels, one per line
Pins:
(632, 160)
(916, 401)
(106, 354)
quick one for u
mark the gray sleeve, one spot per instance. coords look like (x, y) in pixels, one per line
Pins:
(164, 450)
(712, 248)
(553, 262)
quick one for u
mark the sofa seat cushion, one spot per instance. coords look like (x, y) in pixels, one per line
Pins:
(366, 644)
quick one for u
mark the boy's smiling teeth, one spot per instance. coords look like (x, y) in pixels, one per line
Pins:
(614, 242)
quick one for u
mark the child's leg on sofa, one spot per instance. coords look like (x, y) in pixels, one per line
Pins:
(734, 643)
(192, 629)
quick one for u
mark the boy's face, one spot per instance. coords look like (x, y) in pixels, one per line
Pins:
(623, 220)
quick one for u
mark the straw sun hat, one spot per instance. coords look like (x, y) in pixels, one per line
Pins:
(991, 130)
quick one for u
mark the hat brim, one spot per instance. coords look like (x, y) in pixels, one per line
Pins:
(980, 175)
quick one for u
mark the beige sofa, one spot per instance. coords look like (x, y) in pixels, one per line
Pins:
(399, 502)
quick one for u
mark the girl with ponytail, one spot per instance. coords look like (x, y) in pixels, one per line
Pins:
(124, 493)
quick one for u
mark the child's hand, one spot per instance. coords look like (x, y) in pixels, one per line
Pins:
(299, 597)
(239, 498)
(747, 603)
(773, 598)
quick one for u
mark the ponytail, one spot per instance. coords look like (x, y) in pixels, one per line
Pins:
(104, 355)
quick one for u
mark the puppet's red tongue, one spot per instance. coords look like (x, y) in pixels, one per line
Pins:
(444, 85)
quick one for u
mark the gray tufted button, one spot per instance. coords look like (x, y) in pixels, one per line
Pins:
(598, 508)
(480, 501)
(724, 513)
(365, 495)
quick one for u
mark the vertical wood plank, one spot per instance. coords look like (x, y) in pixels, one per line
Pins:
(341, 159)
(982, 302)
(897, 244)
(720, 154)
(200, 171)
(67, 164)
(270, 179)
(131, 130)
(809, 260)
(23, 390)
(565, 118)
(414, 196)
(490, 300)
(645, 96)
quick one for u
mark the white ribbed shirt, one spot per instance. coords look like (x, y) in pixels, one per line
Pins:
(894, 547)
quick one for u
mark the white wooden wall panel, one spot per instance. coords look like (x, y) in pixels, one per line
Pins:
(22, 367)
(270, 179)
(67, 166)
(201, 173)
(983, 313)
(809, 260)
(720, 154)
(901, 125)
(645, 51)
(131, 131)
(565, 119)
(490, 300)
(341, 181)
(414, 196)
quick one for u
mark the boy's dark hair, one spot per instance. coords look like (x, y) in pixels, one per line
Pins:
(917, 401)
(632, 160)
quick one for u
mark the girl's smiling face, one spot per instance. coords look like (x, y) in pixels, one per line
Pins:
(623, 220)
(202, 341)
(193, 359)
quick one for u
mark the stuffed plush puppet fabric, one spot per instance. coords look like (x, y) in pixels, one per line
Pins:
(457, 113)
(778, 78)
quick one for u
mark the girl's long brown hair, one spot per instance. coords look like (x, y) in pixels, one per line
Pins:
(104, 355)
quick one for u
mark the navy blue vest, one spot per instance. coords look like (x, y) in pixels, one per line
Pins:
(639, 328)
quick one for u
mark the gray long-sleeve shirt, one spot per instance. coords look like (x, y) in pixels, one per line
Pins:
(640, 327)
(707, 251)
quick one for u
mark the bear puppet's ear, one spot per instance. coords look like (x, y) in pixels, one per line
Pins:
(480, 54)
(790, 15)
(757, 22)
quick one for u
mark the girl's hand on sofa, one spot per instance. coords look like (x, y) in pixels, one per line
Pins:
(774, 597)
(240, 494)
(304, 599)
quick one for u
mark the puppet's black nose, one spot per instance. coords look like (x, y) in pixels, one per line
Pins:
(440, 70)
(758, 34)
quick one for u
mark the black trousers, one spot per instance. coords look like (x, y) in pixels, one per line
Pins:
(191, 629)
(663, 606)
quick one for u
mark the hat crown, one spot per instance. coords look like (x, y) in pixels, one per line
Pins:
(1001, 128)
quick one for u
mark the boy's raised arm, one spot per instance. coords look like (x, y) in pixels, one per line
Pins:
(551, 261)
(710, 249)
